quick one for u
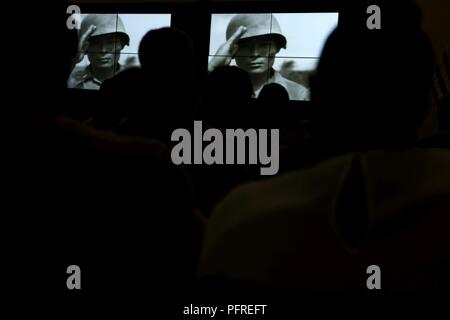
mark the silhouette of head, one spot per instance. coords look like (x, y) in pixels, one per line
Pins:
(273, 93)
(372, 86)
(229, 92)
(229, 84)
(272, 104)
(165, 83)
(167, 52)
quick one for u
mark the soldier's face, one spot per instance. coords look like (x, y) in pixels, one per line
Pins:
(256, 55)
(104, 51)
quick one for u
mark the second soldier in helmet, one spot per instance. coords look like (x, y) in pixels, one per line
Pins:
(253, 40)
(102, 38)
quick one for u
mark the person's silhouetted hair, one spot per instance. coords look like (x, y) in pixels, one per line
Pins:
(372, 86)
(228, 97)
(272, 105)
(167, 93)
(273, 93)
(167, 53)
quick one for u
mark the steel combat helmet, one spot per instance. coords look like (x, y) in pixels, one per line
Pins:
(257, 25)
(106, 24)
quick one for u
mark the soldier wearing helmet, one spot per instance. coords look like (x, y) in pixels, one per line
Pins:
(102, 38)
(253, 40)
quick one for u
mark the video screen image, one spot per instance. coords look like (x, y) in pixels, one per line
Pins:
(109, 44)
(281, 48)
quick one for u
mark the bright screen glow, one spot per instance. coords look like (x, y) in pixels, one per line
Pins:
(305, 35)
(106, 53)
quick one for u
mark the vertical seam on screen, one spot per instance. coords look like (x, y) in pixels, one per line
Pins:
(270, 45)
(115, 44)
